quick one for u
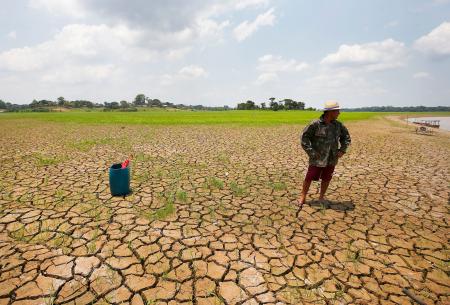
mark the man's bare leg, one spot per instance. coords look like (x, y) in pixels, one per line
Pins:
(305, 189)
(323, 189)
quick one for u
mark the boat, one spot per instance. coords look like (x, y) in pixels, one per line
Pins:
(428, 123)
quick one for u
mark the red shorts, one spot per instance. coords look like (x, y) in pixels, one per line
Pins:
(315, 173)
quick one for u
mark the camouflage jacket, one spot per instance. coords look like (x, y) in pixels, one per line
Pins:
(322, 142)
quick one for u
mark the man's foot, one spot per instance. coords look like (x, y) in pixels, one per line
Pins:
(301, 201)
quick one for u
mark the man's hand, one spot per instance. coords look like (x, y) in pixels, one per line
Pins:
(340, 154)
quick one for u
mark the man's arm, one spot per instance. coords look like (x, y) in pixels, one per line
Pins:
(306, 139)
(344, 140)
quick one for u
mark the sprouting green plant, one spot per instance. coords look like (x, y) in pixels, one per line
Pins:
(159, 173)
(221, 206)
(175, 174)
(58, 240)
(212, 212)
(167, 210)
(278, 186)
(50, 300)
(112, 275)
(323, 207)
(141, 157)
(354, 256)
(87, 145)
(19, 234)
(142, 177)
(59, 195)
(214, 182)
(223, 158)
(91, 247)
(161, 213)
(96, 233)
(181, 196)
(339, 293)
(165, 275)
(236, 189)
(43, 160)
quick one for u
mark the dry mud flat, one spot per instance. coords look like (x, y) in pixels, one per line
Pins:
(211, 219)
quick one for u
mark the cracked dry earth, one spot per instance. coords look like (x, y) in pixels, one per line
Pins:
(211, 218)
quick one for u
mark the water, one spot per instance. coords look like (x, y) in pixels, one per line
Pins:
(444, 121)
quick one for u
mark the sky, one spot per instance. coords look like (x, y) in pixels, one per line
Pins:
(223, 52)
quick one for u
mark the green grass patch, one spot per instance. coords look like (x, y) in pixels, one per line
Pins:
(164, 117)
(278, 186)
(181, 196)
(44, 160)
(87, 145)
(164, 212)
(160, 214)
(214, 182)
(236, 189)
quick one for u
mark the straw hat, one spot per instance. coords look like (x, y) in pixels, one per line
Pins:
(331, 105)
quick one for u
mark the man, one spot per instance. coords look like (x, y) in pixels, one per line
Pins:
(325, 141)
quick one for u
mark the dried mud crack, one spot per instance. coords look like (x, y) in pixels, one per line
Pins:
(211, 219)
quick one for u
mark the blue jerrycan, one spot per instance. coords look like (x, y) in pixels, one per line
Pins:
(119, 180)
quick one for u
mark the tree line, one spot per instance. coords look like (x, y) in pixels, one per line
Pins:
(144, 101)
(284, 104)
(139, 101)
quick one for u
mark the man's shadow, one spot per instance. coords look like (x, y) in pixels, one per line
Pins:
(340, 206)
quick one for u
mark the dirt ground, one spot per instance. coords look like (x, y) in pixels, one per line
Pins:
(211, 219)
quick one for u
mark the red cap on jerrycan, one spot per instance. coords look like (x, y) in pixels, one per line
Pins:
(125, 163)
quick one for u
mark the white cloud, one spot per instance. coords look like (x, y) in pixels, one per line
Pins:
(271, 63)
(371, 56)
(271, 66)
(74, 74)
(436, 43)
(210, 28)
(12, 35)
(74, 44)
(266, 77)
(192, 71)
(246, 28)
(334, 83)
(419, 75)
(186, 73)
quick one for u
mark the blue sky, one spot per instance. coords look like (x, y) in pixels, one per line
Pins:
(221, 52)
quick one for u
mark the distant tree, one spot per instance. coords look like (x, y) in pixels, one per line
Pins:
(263, 105)
(34, 104)
(272, 99)
(154, 103)
(139, 100)
(61, 101)
(289, 104)
(241, 106)
(2, 104)
(124, 104)
(274, 106)
(300, 106)
(248, 105)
